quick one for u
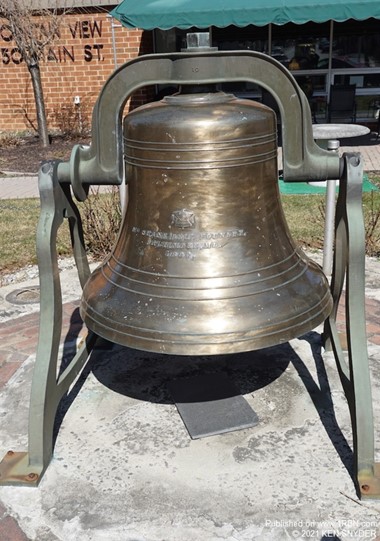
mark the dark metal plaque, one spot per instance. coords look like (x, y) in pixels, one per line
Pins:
(210, 404)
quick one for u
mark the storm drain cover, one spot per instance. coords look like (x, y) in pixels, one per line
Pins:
(25, 295)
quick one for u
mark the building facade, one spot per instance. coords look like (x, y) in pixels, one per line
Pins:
(86, 49)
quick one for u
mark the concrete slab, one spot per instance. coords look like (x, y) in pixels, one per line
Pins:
(29, 278)
(125, 467)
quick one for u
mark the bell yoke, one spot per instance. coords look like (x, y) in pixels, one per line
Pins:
(204, 262)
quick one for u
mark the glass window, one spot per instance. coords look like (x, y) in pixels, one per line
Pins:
(356, 44)
(252, 38)
(303, 49)
(301, 46)
(231, 38)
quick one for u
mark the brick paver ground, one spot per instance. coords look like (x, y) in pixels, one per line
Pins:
(9, 529)
(18, 340)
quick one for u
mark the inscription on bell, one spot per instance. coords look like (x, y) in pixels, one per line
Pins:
(183, 218)
(183, 245)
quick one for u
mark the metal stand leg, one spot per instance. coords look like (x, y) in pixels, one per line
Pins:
(349, 264)
(27, 468)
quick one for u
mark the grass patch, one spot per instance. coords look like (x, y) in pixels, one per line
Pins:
(305, 218)
(305, 215)
(18, 225)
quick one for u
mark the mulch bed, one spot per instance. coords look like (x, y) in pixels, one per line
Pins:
(25, 154)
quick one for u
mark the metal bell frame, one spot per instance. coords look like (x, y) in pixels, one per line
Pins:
(102, 164)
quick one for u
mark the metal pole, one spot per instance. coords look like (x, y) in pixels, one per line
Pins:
(122, 187)
(113, 26)
(328, 245)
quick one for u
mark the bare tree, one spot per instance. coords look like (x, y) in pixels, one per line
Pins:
(33, 29)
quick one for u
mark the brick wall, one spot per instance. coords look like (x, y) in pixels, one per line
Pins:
(77, 63)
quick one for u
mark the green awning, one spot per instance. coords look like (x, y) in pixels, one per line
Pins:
(165, 14)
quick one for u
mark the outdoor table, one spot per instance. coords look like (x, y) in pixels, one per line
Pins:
(328, 136)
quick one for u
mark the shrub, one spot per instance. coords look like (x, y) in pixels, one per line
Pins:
(101, 217)
(9, 140)
(72, 119)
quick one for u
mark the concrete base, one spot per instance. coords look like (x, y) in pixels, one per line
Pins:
(125, 468)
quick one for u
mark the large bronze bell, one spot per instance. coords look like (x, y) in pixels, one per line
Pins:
(204, 262)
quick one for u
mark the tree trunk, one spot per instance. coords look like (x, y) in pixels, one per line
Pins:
(43, 133)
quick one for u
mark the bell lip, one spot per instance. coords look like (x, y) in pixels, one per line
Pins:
(189, 349)
(209, 344)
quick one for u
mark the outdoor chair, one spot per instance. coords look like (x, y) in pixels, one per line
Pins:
(342, 104)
